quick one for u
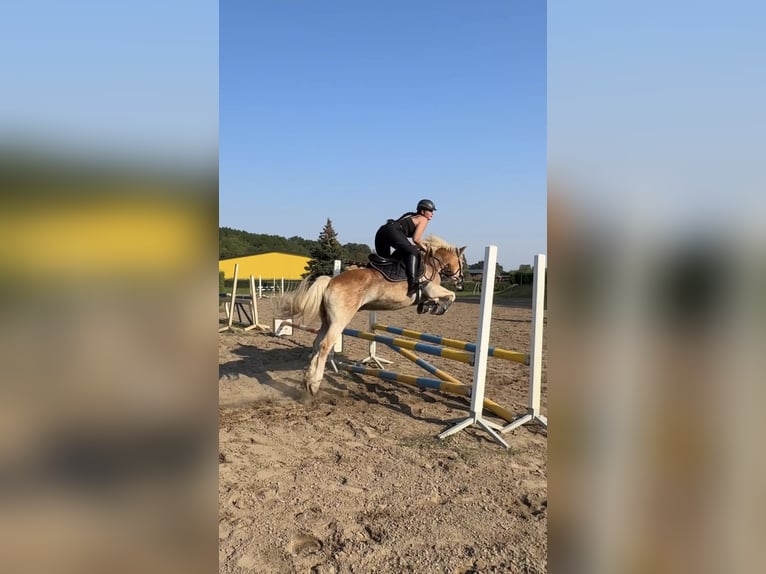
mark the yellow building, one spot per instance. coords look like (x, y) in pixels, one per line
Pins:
(272, 265)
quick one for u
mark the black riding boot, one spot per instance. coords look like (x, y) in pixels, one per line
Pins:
(411, 267)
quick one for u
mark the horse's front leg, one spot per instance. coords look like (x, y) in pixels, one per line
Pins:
(444, 296)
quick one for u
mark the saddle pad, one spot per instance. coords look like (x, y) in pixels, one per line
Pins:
(392, 269)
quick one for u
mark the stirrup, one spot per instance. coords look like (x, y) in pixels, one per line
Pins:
(418, 292)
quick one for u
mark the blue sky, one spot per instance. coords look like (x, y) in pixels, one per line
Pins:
(656, 111)
(122, 79)
(354, 111)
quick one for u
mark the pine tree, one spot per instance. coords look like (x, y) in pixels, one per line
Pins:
(323, 254)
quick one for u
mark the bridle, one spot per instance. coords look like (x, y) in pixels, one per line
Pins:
(456, 276)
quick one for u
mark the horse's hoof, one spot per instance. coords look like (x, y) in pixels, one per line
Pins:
(441, 309)
(429, 305)
(312, 388)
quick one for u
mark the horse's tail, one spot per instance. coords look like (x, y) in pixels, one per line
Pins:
(306, 301)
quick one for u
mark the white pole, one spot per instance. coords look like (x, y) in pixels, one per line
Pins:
(536, 350)
(482, 348)
(538, 317)
(338, 348)
(253, 306)
(253, 301)
(260, 287)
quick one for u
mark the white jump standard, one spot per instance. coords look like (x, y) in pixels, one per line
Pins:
(462, 351)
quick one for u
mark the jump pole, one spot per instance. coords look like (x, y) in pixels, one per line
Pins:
(421, 382)
(489, 404)
(443, 375)
(449, 383)
(480, 362)
(536, 363)
(514, 356)
(454, 354)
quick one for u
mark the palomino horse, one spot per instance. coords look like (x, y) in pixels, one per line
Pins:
(335, 300)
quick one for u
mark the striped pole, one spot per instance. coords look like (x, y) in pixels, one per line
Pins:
(461, 356)
(422, 382)
(490, 405)
(432, 384)
(454, 343)
(443, 375)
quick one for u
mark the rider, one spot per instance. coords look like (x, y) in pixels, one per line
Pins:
(394, 234)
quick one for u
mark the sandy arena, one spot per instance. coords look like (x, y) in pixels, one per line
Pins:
(356, 481)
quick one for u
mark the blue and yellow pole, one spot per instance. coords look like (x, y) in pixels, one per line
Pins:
(514, 356)
(461, 356)
(432, 384)
(443, 375)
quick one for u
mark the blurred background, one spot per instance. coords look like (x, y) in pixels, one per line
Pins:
(656, 273)
(108, 352)
(108, 259)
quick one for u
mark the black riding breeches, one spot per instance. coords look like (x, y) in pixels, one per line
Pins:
(391, 237)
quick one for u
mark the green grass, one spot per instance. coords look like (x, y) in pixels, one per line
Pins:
(503, 291)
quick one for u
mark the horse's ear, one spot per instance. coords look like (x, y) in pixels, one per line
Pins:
(460, 251)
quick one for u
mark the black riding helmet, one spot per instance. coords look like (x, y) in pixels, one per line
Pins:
(426, 204)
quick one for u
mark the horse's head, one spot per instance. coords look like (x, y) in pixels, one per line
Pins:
(454, 263)
(449, 260)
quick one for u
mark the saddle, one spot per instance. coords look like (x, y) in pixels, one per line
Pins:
(392, 268)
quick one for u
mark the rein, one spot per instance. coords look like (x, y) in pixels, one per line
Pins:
(430, 267)
(438, 269)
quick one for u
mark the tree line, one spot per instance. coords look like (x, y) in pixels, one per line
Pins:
(323, 251)
(238, 243)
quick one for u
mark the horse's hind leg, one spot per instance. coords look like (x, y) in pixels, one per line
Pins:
(315, 371)
(316, 366)
(321, 334)
(319, 361)
(322, 345)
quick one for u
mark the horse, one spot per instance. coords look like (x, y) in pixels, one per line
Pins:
(335, 300)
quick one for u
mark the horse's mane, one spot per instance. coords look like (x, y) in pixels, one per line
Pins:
(435, 242)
